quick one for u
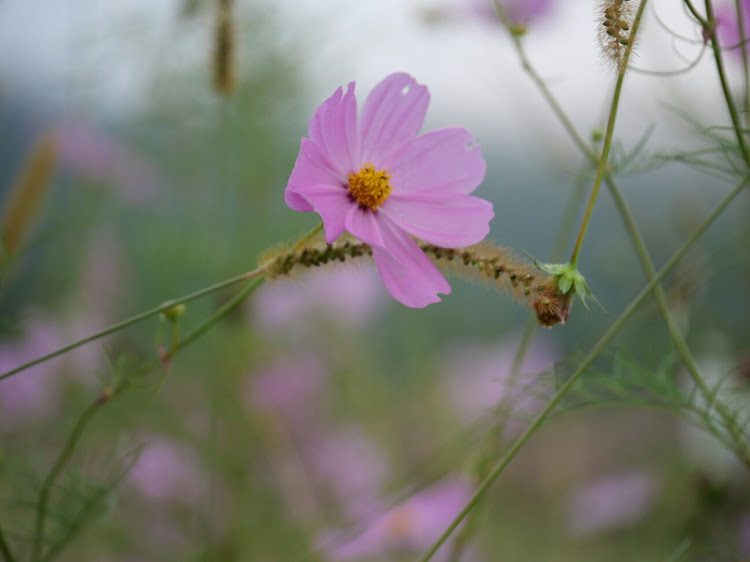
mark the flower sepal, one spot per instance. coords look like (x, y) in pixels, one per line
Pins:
(569, 280)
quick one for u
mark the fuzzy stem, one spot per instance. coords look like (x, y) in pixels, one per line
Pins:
(595, 351)
(724, 84)
(307, 237)
(601, 168)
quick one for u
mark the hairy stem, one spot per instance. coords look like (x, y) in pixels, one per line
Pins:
(595, 351)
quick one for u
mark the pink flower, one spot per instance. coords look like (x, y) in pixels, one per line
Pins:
(611, 502)
(728, 27)
(413, 525)
(379, 181)
(519, 12)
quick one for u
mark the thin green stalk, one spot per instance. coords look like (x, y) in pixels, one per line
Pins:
(88, 414)
(602, 167)
(724, 84)
(595, 351)
(228, 307)
(5, 548)
(633, 231)
(135, 319)
(678, 339)
(49, 481)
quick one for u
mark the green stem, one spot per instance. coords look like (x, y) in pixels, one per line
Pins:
(49, 481)
(724, 84)
(602, 167)
(5, 548)
(88, 414)
(677, 338)
(135, 319)
(595, 351)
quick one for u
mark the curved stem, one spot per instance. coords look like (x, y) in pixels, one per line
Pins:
(595, 351)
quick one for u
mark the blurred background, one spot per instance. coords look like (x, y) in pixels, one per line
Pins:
(325, 421)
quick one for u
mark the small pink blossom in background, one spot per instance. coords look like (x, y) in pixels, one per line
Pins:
(411, 526)
(350, 465)
(96, 156)
(728, 28)
(346, 296)
(519, 12)
(34, 393)
(431, 176)
(288, 388)
(476, 378)
(611, 502)
(167, 471)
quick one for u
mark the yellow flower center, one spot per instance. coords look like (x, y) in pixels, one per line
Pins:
(369, 186)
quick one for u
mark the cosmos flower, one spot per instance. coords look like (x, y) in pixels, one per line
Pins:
(376, 179)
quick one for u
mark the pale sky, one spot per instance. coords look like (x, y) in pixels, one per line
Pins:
(470, 67)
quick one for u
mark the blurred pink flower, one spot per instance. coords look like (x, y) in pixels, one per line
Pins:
(35, 392)
(347, 296)
(519, 12)
(167, 471)
(93, 154)
(288, 388)
(413, 525)
(347, 463)
(477, 378)
(611, 502)
(728, 28)
(379, 181)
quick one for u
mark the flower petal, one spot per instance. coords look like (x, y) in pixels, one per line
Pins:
(311, 168)
(362, 223)
(441, 160)
(450, 220)
(408, 274)
(332, 203)
(334, 129)
(392, 116)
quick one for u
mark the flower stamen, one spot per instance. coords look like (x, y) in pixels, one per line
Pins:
(370, 187)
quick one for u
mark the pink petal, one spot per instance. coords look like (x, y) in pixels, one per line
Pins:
(408, 274)
(441, 160)
(311, 168)
(392, 116)
(446, 219)
(334, 129)
(362, 223)
(332, 203)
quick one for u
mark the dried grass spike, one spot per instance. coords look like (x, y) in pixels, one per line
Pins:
(616, 18)
(27, 194)
(224, 48)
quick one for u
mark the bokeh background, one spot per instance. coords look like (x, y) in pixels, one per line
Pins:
(324, 420)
